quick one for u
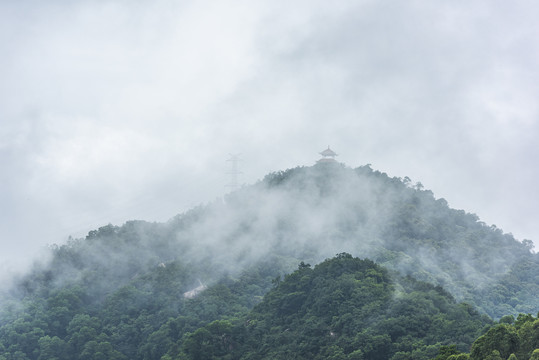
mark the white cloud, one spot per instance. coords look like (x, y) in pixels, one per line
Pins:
(113, 110)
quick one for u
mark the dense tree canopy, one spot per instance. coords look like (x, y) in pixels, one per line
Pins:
(343, 308)
(219, 281)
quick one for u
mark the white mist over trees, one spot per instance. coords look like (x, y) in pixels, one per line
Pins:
(114, 111)
(130, 281)
(312, 213)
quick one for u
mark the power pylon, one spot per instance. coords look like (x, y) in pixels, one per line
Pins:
(234, 172)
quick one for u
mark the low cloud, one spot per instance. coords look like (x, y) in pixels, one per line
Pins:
(114, 111)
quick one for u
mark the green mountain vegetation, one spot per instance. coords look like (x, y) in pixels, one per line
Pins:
(344, 308)
(221, 281)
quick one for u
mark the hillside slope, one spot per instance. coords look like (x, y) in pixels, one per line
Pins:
(343, 308)
(121, 290)
(315, 212)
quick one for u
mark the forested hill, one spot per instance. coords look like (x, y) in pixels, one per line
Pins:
(343, 308)
(141, 290)
(403, 227)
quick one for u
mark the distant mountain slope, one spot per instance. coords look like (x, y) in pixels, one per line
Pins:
(121, 289)
(310, 214)
(344, 308)
(314, 212)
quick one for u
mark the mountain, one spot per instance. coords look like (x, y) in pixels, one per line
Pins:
(343, 308)
(142, 290)
(348, 308)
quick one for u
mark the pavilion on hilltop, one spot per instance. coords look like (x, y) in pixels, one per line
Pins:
(328, 156)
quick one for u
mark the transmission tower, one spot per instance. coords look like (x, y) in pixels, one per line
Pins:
(233, 172)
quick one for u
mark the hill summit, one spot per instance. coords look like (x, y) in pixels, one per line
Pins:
(122, 290)
(312, 213)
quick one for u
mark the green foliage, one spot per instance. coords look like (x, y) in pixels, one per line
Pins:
(505, 341)
(421, 236)
(502, 339)
(343, 308)
(119, 292)
(52, 348)
(147, 318)
(447, 352)
(459, 357)
(507, 319)
(215, 340)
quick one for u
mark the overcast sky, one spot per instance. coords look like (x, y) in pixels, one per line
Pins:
(120, 110)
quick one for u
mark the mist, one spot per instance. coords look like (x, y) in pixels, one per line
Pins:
(115, 111)
(145, 289)
(303, 214)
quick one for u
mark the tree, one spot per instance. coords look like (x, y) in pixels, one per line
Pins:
(494, 355)
(459, 357)
(213, 340)
(501, 339)
(507, 319)
(52, 348)
(98, 350)
(81, 329)
(528, 244)
(446, 351)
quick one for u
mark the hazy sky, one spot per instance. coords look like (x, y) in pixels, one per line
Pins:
(120, 110)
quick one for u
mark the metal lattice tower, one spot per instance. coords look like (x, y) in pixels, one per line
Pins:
(234, 172)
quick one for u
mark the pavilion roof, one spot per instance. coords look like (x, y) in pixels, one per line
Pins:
(328, 152)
